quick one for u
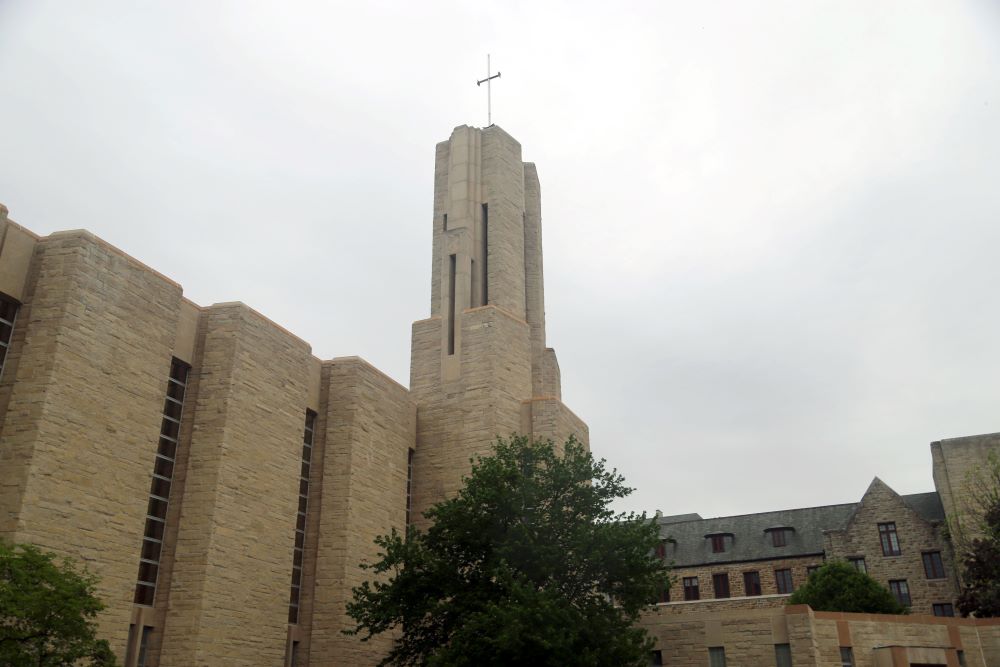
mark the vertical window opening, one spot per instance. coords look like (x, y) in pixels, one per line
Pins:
(409, 485)
(451, 304)
(445, 219)
(783, 655)
(472, 278)
(8, 310)
(143, 645)
(486, 254)
(300, 519)
(159, 492)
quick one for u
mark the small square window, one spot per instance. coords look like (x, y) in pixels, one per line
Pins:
(944, 609)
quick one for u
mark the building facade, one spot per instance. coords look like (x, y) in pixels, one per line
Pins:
(222, 482)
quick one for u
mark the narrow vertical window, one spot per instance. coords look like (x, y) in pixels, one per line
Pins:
(143, 646)
(486, 254)
(691, 588)
(300, 518)
(716, 656)
(8, 310)
(901, 591)
(159, 492)
(846, 656)
(451, 304)
(889, 539)
(409, 485)
(656, 659)
(783, 580)
(472, 277)
(445, 220)
(783, 655)
(751, 583)
(720, 583)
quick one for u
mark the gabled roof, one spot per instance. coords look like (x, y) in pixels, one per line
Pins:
(751, 539)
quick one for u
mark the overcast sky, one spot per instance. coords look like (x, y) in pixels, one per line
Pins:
(771, 229)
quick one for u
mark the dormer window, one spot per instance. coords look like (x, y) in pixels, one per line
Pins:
(719, 541)
(780, 535)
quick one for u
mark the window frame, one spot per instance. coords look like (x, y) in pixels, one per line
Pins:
(782, 579)
(943, 607)
(691, 589)
(716, 578)
(752, 576)
(900, 589)
(855, 561)
(936, 562)
(889, 539)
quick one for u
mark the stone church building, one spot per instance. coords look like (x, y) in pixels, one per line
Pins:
(225, 484)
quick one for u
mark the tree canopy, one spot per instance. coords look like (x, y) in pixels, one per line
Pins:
(838, 586)
(980, 593)
(47, 612)
(528, 564)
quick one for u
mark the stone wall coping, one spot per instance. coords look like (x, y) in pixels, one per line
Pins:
(890, 618)
(710, 601)
(93, 238)
(259, 315)
(3, 211)
(541, 399)
(364, 362)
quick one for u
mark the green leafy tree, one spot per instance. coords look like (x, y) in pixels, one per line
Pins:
(838, 586)
(980, 594)
(527, 565)
(47, 612)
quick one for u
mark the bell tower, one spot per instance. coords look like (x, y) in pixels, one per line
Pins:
(479, 364)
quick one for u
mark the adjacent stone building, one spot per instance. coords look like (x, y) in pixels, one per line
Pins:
(222, 482)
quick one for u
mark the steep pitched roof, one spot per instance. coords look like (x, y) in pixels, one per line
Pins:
(751, 541)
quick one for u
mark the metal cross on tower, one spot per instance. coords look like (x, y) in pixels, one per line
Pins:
(489, 93)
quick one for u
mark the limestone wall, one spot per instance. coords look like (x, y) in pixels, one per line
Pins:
(85, 383)
(232, 568)
(370, 425)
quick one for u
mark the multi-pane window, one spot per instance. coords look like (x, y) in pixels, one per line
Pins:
(779, 537)
(8, 310)
(409, 482)
(720, 582)
(300, 518)
(933, 565)
(890, 541)
(783, 655)
(859, 564)
(716, 656)
(691, 588)
(943, 609)
(846, 656)
(664, 595)
(783, 580)
(159, 492)
(751, 583)
(901, 591)
(718, 543)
